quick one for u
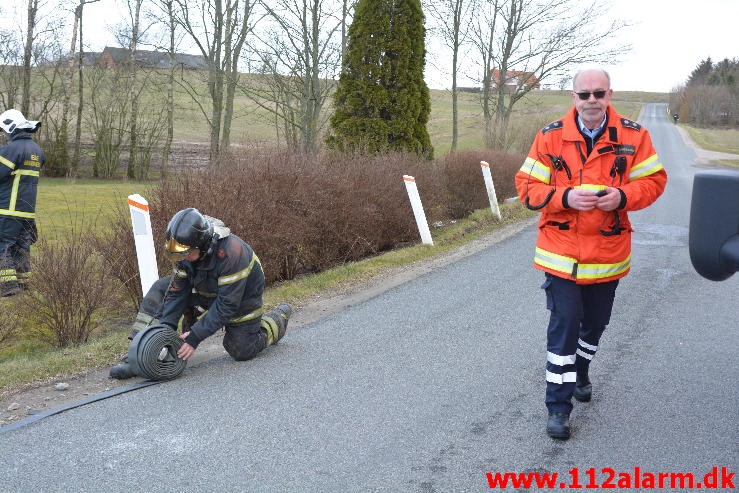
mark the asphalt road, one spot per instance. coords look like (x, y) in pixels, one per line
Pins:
(430, 385)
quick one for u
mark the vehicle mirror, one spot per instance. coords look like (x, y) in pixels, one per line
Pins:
(714, 224)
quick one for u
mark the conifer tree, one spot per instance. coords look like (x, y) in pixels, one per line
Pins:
(382, 102)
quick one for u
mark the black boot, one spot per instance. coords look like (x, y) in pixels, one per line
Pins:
(583, 389)
(274, 323)
(558, 425)
(122, 371)
(286, 312)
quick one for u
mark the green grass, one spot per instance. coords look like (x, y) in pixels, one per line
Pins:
(718, 139)
(62, 203)
(41, 365)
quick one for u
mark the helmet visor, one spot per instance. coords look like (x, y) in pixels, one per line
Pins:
(176, 251)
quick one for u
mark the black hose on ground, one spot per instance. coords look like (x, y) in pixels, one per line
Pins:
(153, 353)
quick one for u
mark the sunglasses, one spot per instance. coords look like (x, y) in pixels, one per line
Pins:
(586, 95)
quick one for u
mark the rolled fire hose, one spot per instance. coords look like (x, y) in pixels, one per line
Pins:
(153, 353)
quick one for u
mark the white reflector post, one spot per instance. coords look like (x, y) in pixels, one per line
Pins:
(492, 198)
(144, 240)
(423, 227)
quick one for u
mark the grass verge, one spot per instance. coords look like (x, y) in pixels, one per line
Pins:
(715, 139)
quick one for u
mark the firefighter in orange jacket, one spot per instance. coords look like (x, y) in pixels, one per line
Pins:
(583, 173)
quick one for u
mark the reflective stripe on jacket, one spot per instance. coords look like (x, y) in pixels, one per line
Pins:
(570, 243)
(229, 283)
(20, 164)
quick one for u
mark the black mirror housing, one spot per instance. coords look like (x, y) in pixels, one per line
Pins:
(714, 224)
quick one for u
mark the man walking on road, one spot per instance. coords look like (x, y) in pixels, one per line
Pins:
(583, 173)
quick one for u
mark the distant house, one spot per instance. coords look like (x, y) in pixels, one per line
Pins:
(89, 58)
(514, 80)
(115, 57)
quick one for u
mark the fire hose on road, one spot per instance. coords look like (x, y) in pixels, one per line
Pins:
(153, 353)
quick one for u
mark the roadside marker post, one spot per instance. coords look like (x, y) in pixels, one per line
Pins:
(492, 198)
(144, 240)
(423, 226)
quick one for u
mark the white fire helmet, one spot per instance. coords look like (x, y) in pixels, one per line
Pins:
(12, 120)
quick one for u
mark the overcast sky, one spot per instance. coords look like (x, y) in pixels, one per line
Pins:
(669, 39)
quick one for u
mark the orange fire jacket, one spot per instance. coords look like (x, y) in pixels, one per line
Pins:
(571, 244)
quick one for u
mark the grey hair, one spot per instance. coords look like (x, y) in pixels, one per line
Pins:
(579, 73)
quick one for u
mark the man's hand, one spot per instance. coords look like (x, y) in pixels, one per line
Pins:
(582, 200)
(186, 350)
(610, 200)
(586, 200)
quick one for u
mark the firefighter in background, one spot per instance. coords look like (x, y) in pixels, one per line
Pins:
(217, 283)
(21, 160)
(583, 173)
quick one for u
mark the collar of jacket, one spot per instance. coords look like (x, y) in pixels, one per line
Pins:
(18, 135)
(208, 262)
(571, 132)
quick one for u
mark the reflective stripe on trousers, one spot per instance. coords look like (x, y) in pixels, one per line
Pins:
(578, 316)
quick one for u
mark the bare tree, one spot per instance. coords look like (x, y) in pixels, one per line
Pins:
(31, 75)
(543, 38)
(167, 8)
(483, 37)
(453, 22)
(134, 11)
(107, 114)
(27, 52)
(218, 28)
(35, 28)
(239, 23)
(300, 58)
(11, 58)
(63, 138)
(347, 7)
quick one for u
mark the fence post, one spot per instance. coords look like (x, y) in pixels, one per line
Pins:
(144, 240)
(423, 227)
(492, 198)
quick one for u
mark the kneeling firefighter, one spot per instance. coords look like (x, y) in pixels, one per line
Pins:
(217, 282)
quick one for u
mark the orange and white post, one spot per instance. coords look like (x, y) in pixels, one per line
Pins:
(144, 240)
(492, 198)
(423, 226)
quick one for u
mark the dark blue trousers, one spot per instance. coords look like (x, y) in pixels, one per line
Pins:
(16, 237)
(578, 316)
